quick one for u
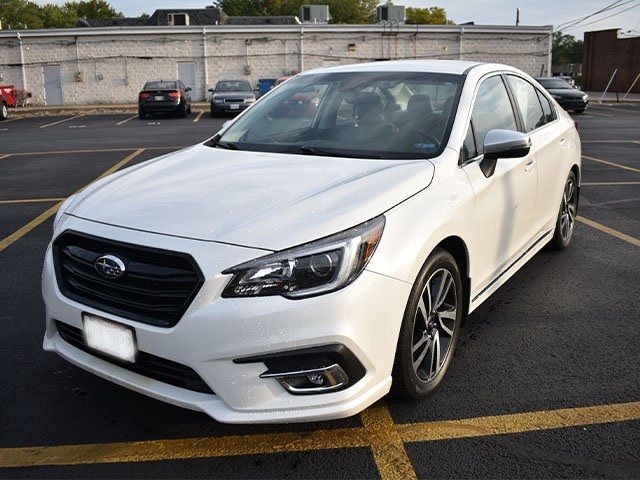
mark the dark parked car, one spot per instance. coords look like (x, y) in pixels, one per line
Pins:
(164, 96)
(566, 95)
(231, 96)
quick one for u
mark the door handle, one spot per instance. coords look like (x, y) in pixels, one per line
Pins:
(563, 141)
(528, 167)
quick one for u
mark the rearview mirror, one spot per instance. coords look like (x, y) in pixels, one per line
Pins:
(503, 144)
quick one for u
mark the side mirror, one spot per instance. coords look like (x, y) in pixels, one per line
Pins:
(211, 90)
(188, 89)
(503, 144)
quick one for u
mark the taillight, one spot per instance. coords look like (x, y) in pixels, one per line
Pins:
(143, 96)
(174, 94)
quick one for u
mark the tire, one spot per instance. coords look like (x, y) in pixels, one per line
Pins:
(4, 113)
(141, 114)
(183, 110)
(412, 382)
(189, 109)
(213, 114)
(566, 220)
(579, 110)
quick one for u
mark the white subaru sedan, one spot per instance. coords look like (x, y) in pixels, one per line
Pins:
(321, 249)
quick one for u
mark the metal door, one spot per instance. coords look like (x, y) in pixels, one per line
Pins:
(52, 84)
(187, 75)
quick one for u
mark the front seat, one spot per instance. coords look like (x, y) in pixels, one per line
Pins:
(369, 124)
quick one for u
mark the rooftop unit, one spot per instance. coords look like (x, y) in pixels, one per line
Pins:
(179, 19)
(315, 14)
(390, 13)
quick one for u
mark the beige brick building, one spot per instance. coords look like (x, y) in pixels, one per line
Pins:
(110, 64)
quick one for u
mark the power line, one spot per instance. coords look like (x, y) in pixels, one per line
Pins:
(604, 18)
(576, 21)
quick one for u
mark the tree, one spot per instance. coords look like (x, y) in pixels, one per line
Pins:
(20, 14)
(427, 16)
(566, 49)
(342, 11)
(90, 9)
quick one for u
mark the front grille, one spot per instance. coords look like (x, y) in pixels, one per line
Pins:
(146, 364)
(234, 100)
(157, 287)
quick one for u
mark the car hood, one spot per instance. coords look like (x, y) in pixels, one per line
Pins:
(566, 93)
(261, 200)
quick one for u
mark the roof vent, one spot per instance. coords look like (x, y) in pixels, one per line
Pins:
(315, 14)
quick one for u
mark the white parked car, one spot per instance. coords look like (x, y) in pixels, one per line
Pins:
(313, 255)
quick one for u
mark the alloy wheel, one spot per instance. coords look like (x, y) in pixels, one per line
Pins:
(568, 211)
(434, 325)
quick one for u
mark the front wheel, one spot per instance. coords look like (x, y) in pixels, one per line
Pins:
(567, 215)
(430, 327)
(141, 114)
(579, 110)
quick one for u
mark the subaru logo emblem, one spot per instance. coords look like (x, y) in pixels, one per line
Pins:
(110, 266)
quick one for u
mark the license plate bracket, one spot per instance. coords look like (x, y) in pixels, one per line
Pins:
(110, 338)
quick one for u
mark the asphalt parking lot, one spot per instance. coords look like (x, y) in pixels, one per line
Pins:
(545, 383)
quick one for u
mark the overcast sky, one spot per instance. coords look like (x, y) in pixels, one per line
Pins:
(502, 12)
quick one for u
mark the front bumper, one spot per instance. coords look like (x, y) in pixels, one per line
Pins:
(365, 317)
(573, 104)
(229, 107)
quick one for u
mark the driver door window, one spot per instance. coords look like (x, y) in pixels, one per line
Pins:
(492, 110)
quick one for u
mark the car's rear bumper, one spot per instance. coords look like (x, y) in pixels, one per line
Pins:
(152, 107)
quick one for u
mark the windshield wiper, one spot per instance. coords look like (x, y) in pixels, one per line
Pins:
(216, 143)
(307, 150)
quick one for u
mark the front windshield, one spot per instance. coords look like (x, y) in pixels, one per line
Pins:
(355, 114)
(239, 86)
(555, 84)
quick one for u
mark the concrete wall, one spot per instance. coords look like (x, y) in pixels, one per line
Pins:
(115, 62)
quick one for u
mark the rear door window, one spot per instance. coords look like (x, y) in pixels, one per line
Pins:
(547, 108)
(528, 103)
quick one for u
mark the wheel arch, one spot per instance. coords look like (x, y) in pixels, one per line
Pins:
(457, 247)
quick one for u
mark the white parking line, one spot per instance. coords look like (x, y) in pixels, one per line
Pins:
(197, 119)
(61, 121)
(127, 120)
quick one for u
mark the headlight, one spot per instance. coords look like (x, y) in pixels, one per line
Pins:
(218, 100)
(62, 209)
(249, 100)
(585, 97)
(315, 268)
(557, 97)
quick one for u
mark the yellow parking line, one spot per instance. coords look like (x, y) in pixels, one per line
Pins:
(127, 120)
(63, 120)
(609, 230)
(31, 200)
(378, 432)
(197, 119)
(606, 162)
(22, 231)
(593, 184)
(609, 141)
(519, 422)
(96, 150)
(386, 444)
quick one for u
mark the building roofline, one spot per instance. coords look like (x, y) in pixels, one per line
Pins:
(307, 28)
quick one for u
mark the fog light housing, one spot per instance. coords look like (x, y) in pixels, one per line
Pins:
(318, 380)
(311, 370)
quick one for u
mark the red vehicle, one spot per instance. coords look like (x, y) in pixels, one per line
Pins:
(7, 99)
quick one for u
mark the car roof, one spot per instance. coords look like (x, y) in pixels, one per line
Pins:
(234, 80)
(457, 67)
